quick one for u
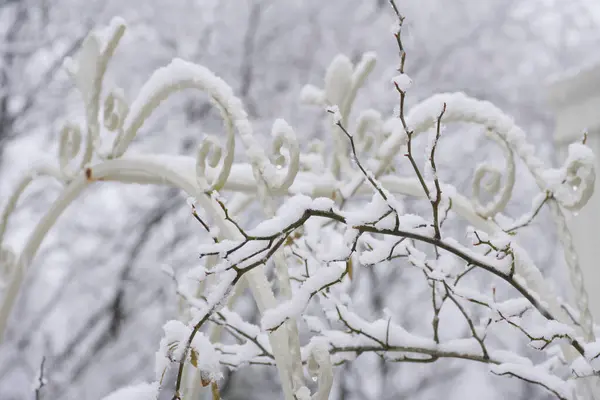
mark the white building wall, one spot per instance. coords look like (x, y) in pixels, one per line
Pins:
(576, 104)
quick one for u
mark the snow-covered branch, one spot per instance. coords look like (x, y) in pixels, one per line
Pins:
(319, 244)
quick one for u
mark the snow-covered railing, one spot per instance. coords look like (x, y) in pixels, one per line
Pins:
(321, 234)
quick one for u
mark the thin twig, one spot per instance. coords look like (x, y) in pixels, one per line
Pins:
(435, 203)
(532, 216)
(41, 380)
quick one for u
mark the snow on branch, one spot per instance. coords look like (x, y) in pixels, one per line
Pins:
(320, 244)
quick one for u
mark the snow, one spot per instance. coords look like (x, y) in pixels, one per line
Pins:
(381, 249)
(551, 329)
(499, 265)
(303, 393)
(573, 183)
(460, 107)
(537, 374)
(219, 292)
(322, 204)
(106, 34)
(315, 324)
(592, 349)
(592, 354)
(176, 332)
(234, 320)
(338, 79)
(167, 269)
(515, 306)
(197, 274)
(292, 308)
(505, 356)
(237, 356)
(535, 204)
(581, 367)
(570, 184)
(472, 294)
(221, 247)
(578, 167)
(465, 346)
(291, 211)
(385, 331)
(83, 67)
(369, 57)
(142, 391)
(403, 82)
(336, 116)
(368, 130)
(191, 202)
(365, 66)
(247, 254)
(370, 212)
(393, 126)
(173, 346)
(311, 94)
(176, 75)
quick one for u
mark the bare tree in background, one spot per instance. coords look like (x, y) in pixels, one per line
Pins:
(31, 56)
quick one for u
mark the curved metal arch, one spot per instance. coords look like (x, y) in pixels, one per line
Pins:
(116, 170)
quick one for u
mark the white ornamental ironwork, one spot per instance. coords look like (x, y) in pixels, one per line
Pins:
(316, 185)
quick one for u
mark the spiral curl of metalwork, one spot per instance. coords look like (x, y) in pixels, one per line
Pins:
(68, 147)
(284, 138)
(490, 178)
(115, 111)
